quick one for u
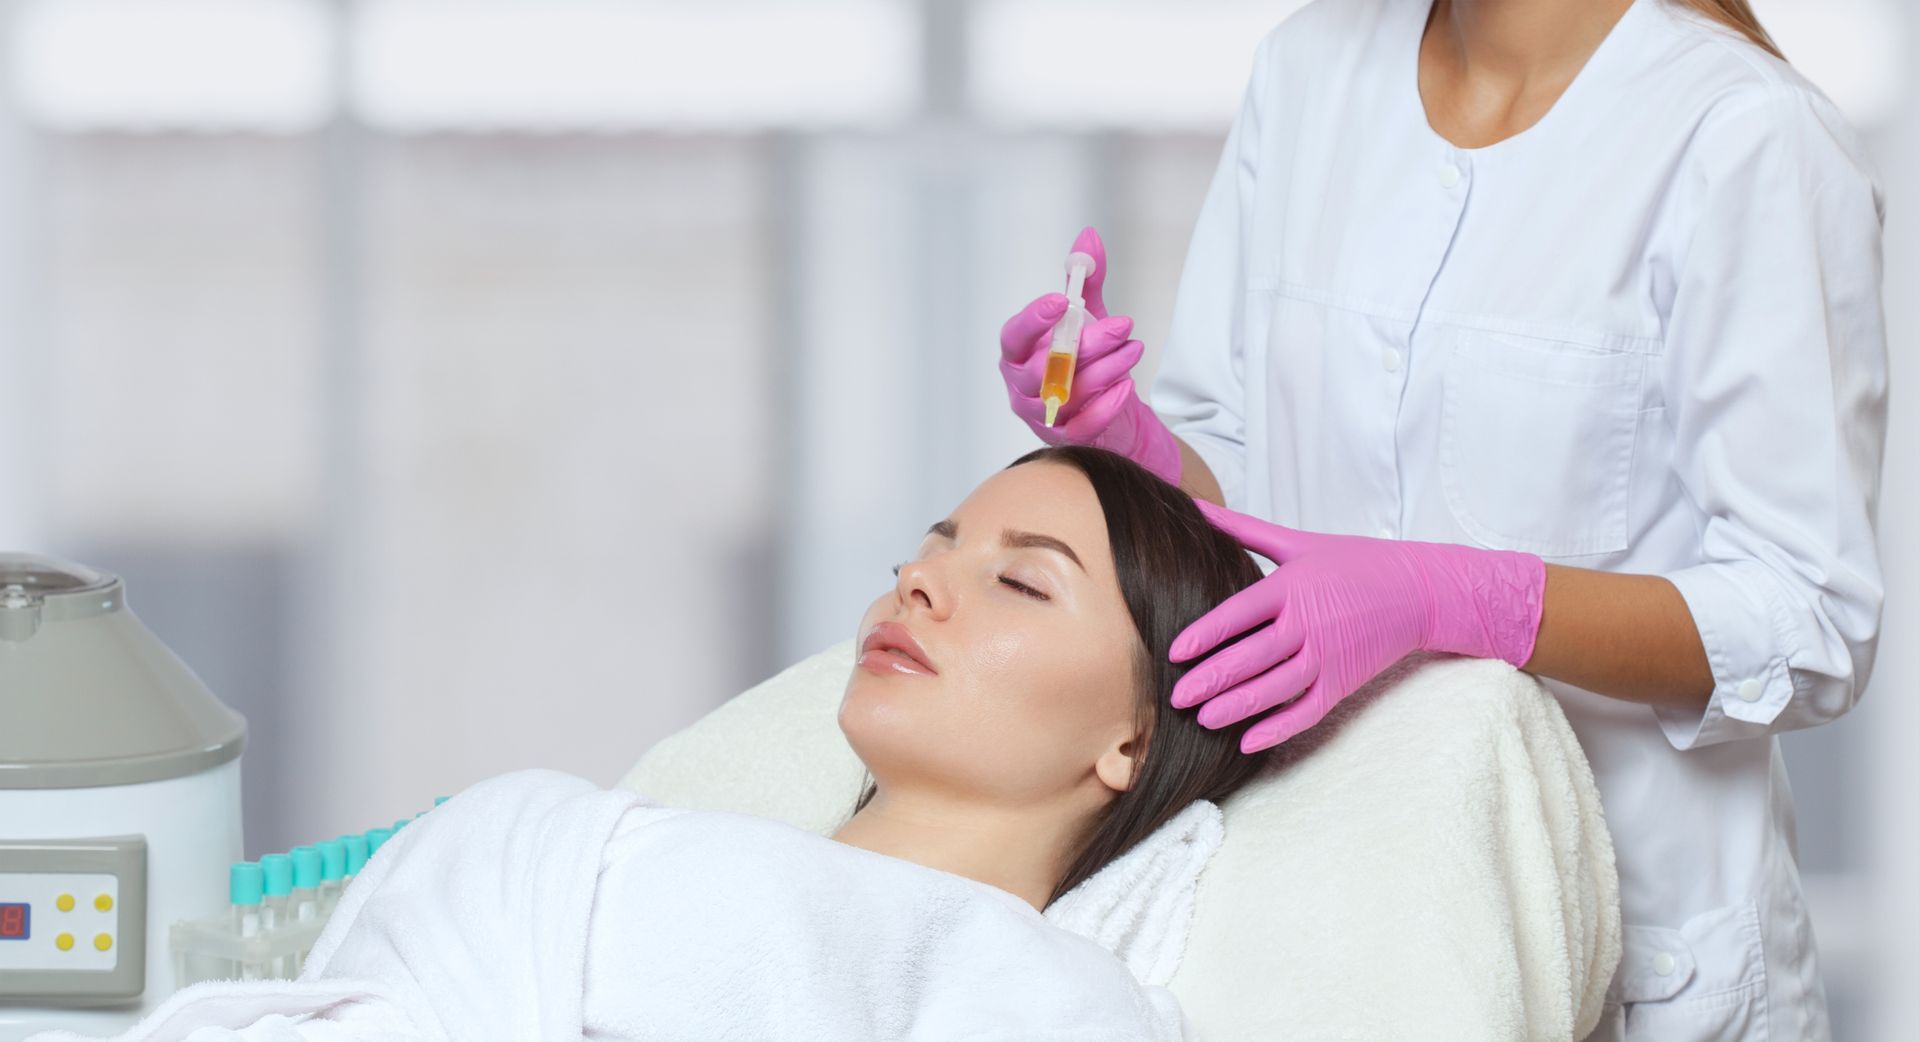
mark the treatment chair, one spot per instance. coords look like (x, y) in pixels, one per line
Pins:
(1428, 863)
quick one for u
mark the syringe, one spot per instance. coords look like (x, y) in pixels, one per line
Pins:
(1065, 348)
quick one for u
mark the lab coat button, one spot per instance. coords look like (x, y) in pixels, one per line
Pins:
(1449, 175)
(1749, 690)
(1663, 963)
(1391, 359)
(1385, 532)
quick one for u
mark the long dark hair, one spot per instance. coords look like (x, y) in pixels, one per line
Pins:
(1173, 567)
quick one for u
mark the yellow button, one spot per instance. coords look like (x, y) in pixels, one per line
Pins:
(64, 902)
(64, 942)
(104, 902)
(102, 941)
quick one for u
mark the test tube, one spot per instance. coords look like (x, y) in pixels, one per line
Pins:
(246, 885)
(356, 858)
(376, 837)
(277, 872)
(1057, 385)
(333, 868)
(305, 899)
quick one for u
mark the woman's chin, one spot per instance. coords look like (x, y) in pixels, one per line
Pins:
(879, 715)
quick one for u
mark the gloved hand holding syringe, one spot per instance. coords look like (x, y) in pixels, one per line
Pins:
(1067, 367)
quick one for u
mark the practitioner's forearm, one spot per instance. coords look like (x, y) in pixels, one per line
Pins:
(1626, 636)
(1629, 637)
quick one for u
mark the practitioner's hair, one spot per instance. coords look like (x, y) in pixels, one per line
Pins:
(1738, 16)
(1173, 567)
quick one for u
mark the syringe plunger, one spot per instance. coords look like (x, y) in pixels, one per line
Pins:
(1079, 270)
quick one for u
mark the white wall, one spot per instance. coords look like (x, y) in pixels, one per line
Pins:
(1889, 854)
(19, 473)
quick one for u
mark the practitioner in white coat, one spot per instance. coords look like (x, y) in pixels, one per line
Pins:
(1545, 330)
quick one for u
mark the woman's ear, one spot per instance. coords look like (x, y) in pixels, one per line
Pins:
(1115, 765)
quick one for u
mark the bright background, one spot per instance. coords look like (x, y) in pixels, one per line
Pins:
(462, 385)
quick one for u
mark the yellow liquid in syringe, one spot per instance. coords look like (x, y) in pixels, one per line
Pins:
(1053, 387)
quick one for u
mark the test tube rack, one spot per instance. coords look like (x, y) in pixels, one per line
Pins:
(211, 948)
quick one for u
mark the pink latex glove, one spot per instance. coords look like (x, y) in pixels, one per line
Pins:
(1102, 408)
(1337, 611)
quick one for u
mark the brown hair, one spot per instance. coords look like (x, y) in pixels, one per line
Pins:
(1173, 567)
(1738, 16)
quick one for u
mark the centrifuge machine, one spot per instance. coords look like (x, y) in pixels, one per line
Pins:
(119, 801)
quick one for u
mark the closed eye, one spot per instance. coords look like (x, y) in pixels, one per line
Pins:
(1022, 587)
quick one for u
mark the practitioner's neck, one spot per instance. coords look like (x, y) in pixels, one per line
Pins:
(1021, 852)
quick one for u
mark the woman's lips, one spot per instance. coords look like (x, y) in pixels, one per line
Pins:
(881, 660)
(890, 648)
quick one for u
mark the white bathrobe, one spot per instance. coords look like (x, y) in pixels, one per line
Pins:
(781, 933)
(537, 906)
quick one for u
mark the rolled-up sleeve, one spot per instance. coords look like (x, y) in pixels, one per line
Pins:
(1199, 389)
(1776, 390)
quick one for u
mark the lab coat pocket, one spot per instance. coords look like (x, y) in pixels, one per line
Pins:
(1705, 982)
(1536, 442)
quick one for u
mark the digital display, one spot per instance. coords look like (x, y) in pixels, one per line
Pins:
(14, 922)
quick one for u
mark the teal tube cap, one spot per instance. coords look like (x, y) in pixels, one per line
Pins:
(333, 859)
(278, 869)
(356, 853)
(401, 823)
(375, 837)
(306, 868)
(246, 883)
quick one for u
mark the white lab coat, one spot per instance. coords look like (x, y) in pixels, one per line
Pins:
(1643, 335)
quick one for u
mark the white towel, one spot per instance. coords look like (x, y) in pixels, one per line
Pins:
(1140, 905)
(778, 932)
(536, 906)
(428, 945)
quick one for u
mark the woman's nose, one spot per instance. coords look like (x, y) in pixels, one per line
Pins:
(920, 583)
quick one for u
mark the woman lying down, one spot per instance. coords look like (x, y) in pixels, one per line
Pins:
(1011, 702)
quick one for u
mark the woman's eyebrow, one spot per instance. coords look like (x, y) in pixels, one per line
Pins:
(1010, 538)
